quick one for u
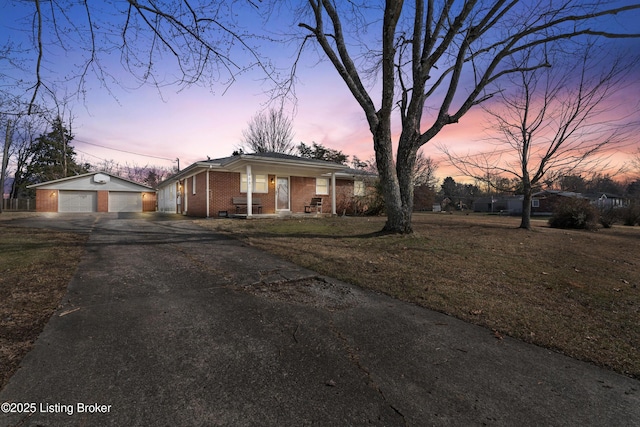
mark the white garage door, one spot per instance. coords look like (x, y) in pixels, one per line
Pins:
(120, 201)
(77, 201)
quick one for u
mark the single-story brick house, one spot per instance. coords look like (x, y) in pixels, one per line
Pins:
(542, 203)
(94, 192)
(280, 184)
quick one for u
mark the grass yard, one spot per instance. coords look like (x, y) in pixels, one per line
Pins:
(577, 292)
(35, 269)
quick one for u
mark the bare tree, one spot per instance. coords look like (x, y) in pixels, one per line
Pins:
(635, 164)
(150, 175)
(552, 121)
(424, 171)
(203, 41)
(269, 132)
(435, 61)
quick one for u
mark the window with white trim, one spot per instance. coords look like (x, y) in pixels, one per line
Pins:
(322, 186)
(193, 184)
(359, 188)
(260, 183)
(535, 203)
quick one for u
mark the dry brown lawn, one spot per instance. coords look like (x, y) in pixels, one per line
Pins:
(577, 292)
(35, 269)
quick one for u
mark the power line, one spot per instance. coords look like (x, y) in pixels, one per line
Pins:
(122, 151)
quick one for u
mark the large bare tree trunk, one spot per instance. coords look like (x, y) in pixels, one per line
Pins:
(5, 162)
(525, 222)
(397, 219)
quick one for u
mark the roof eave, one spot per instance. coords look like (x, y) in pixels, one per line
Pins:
(68, 178)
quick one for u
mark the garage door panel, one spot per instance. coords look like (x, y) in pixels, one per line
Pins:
(121, 201)
(77, 201)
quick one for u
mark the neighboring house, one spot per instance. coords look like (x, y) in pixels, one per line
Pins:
(542, 203)
(278, 184)
(511, 205)
(94, 192)
(606, 200)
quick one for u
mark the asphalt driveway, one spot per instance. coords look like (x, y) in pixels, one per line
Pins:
(168, 324)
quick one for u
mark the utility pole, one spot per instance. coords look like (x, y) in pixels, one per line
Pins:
(64, 147)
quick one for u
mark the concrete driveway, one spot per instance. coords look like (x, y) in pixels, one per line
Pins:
(168, 324)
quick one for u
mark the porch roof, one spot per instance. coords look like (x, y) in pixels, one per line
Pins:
(273, 163)
(281, 163)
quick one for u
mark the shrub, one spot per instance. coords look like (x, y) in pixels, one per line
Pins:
(631, 214)
(572, 212)
(608, 217)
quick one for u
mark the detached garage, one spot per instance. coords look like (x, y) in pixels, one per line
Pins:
(76, 201)
(94, 192)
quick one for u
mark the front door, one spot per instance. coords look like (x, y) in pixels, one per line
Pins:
(282, 194)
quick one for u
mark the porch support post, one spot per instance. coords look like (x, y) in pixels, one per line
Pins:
(249, 192)
(333, 193)
(208, 198)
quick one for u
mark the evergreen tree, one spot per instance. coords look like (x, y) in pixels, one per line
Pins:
(449, 188)
(52, 157)
(320, 152)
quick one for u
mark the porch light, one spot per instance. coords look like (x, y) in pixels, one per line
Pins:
(53, 194)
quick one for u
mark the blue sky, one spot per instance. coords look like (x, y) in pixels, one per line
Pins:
(200, 121)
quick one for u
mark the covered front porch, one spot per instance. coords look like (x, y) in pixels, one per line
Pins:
(280, 186)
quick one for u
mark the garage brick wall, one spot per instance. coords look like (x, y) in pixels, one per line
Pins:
(149, 202)
(47, 200)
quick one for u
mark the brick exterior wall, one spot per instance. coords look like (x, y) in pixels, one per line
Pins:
(269, 199)
(301, 190)
(196, 203)
(47, 200)
(224, 186)
(103, 201)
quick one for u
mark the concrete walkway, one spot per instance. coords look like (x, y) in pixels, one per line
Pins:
(167, 324)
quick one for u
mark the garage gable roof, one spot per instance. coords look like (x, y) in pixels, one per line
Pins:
(93, 181)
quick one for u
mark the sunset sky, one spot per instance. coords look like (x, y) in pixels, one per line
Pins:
(143, 127)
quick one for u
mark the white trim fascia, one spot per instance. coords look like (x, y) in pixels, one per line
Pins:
(84, 175)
